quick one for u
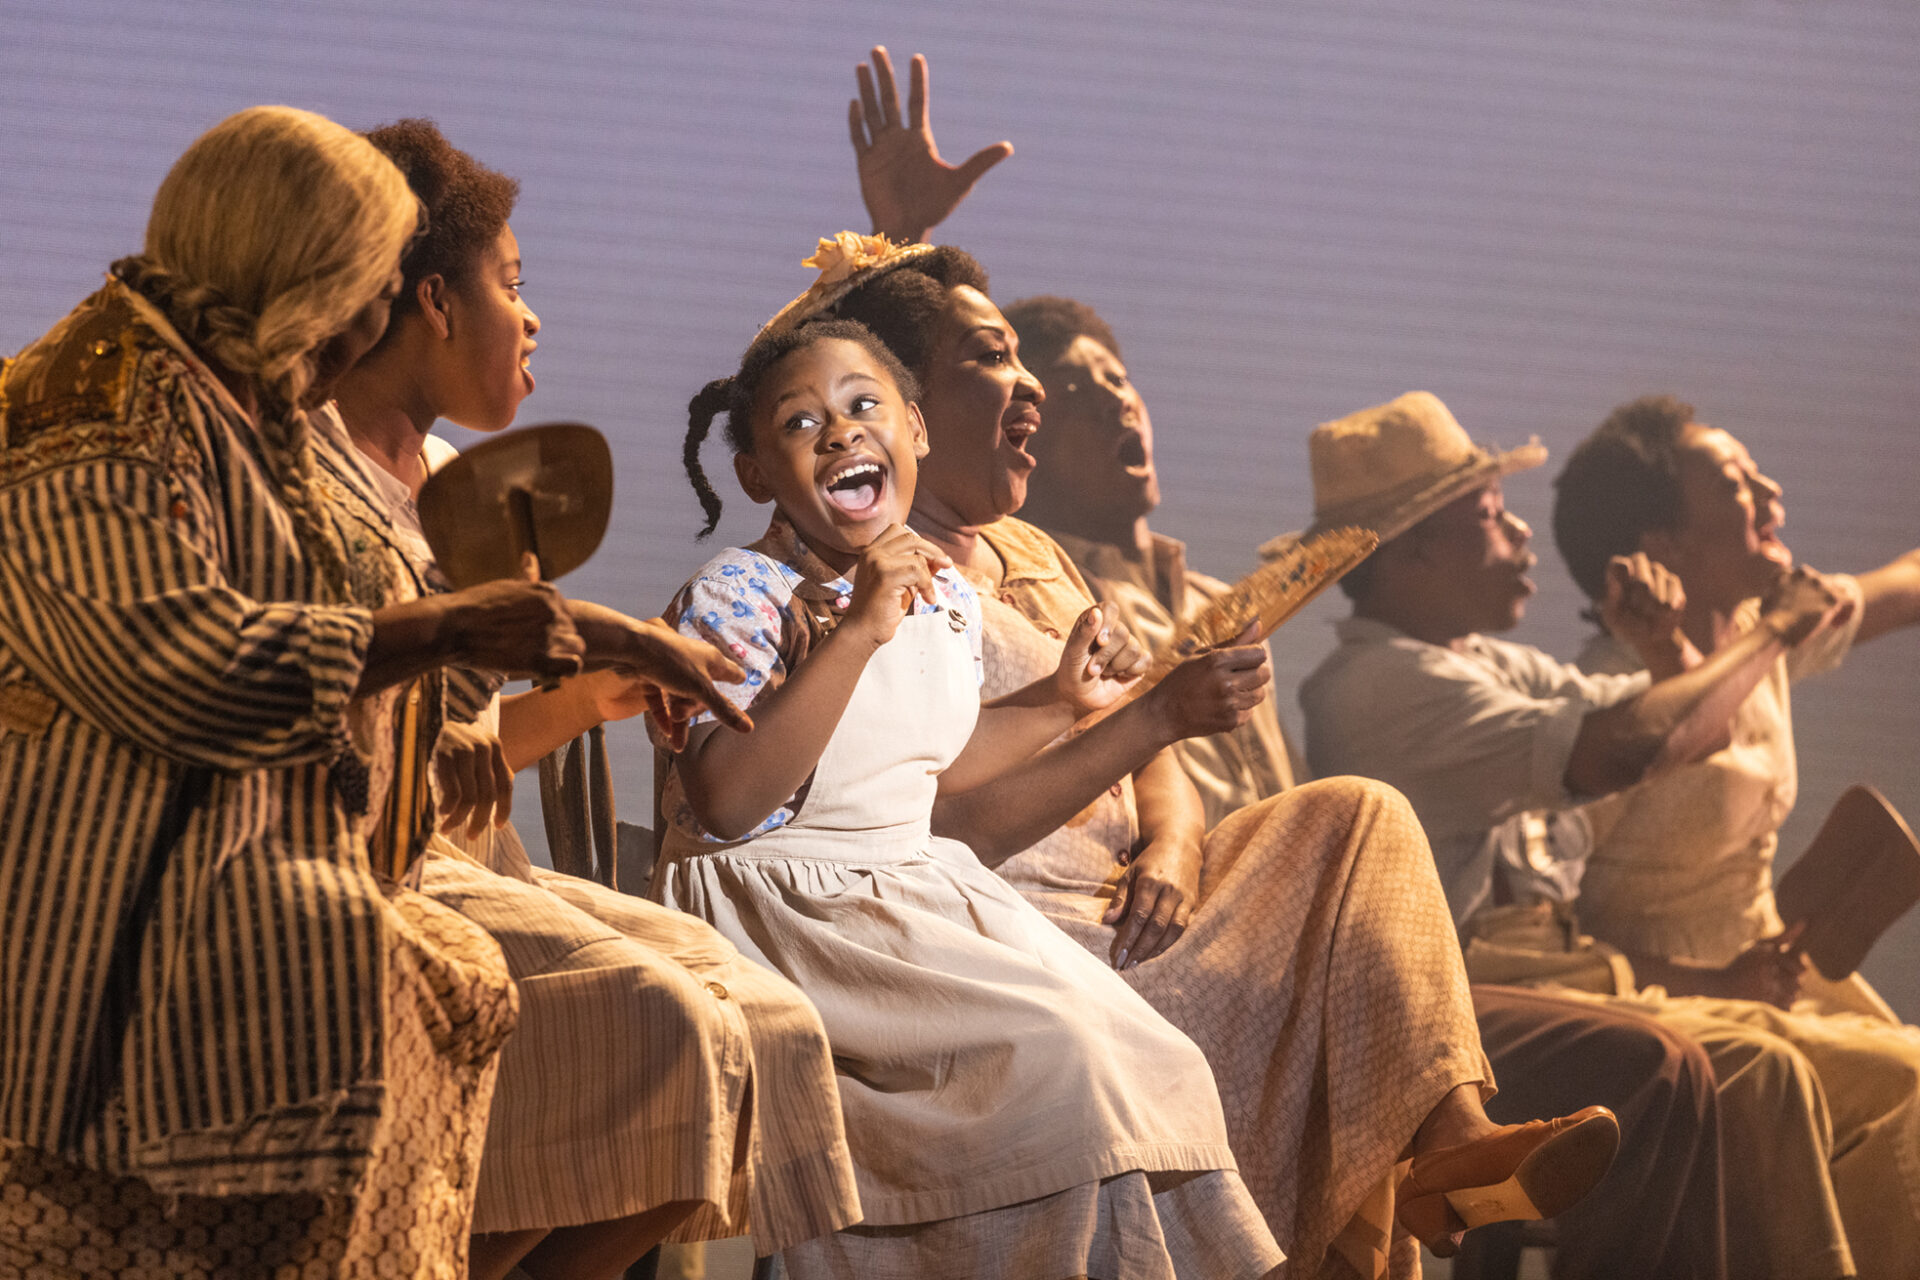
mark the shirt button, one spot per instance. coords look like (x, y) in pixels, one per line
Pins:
(717, 990)
(1116, 789)
(1123, 856)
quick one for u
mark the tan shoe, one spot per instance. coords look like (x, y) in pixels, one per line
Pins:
(1532, 1170)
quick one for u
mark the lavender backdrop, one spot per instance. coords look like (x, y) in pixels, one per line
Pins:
(1287, 212)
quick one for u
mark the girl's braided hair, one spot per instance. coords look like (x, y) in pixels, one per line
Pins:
(735, 396)
(269, 234)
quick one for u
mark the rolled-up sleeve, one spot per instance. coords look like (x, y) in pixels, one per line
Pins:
(1472, 738)
(1474, 750)
(1827, 647)
(113, 597)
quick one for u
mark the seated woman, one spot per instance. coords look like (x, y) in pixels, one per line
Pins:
(1304, 943)
(1686, 869)
(229, 1043)
(623, 1111)
(1681, 866)
(1013, 1109)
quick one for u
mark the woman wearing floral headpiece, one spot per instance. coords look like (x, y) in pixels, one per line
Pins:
(1304, 943)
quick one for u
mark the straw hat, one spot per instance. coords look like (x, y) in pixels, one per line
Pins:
(1389, 467)
(845, 263)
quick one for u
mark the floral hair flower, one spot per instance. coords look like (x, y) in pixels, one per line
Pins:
(846, 253)
(845, 262)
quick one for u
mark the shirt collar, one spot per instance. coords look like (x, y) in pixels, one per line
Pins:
(1163, 575)
(783, 543)
(1358, 630)
(1026, 554)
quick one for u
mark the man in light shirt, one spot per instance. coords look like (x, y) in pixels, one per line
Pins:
(1495, 743)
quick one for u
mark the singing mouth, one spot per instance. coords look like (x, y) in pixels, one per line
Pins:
(1131, 452)
(856, 488)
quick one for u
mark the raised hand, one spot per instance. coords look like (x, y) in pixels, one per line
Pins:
(470, 771)
(895, 569)
(1215, 691)
(1643, 608)
(1100, 663)
(907, 187)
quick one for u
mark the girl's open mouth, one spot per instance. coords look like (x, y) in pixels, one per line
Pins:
(857, 490)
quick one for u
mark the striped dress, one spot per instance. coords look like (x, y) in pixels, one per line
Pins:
(156, 626)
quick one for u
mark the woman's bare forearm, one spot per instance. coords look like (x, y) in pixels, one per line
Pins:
(1013, 811)
(1679, 719)
(1169, 804)
(1010, 730)
(409, 639)
(1890, 597)
(539, 721)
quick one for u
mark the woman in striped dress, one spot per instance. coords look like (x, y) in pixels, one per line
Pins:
(227, 1045)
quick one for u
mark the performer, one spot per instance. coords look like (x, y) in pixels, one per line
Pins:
(1094, 490)
(1485, 736)
(623, 1111)
(228, 1043)
(1013, 1109)
(1685, 867)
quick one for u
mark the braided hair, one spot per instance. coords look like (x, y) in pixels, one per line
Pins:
(259, 292)
(736, 396)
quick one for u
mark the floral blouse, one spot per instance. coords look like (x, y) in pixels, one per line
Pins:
(743, 602)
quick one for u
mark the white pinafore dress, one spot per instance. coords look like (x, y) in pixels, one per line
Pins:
(1013, 1108)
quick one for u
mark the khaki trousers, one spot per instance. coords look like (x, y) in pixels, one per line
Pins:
(1820, 1133)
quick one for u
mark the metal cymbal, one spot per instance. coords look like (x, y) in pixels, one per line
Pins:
(547, 489)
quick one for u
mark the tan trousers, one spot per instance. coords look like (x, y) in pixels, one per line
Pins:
(1820, 1134)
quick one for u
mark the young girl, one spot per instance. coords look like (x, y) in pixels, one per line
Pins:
(1012, 1107)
